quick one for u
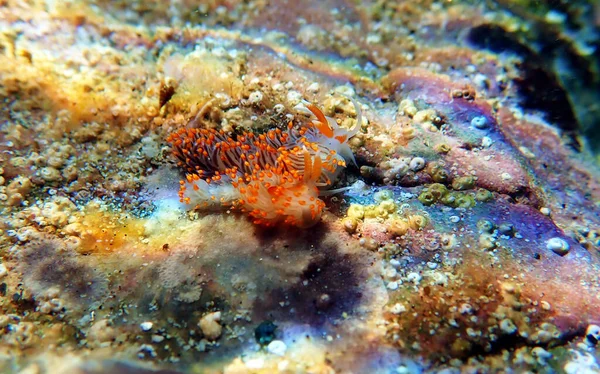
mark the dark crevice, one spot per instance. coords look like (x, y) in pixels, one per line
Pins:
(539, 87)
(527, 196)
(514, 342)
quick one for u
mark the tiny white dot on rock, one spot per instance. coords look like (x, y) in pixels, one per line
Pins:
(558, 246)
(277, 347)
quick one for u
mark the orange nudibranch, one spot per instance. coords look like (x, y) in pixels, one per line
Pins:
(274, 177)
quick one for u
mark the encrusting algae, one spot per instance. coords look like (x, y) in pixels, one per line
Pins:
(451, 249)
(273, 177)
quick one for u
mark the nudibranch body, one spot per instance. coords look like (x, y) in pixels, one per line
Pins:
(273, 177)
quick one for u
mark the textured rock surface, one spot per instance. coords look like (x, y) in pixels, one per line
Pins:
(468, 239)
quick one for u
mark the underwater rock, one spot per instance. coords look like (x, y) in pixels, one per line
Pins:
(458, 230)
(59, 279)
(209, 324)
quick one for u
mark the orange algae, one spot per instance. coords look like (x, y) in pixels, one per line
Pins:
(273, 177)
(101, 232)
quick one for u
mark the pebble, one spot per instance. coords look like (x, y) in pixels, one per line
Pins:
(541, 355)
(146, 326)
(413, 277)
(545, 305)
(481, 80)
(209, 324)
(395, 263)
(592, 335)
(558, 246)
(440, 278)
(157, 338)
(294, 97)
(391, 273)
(487, 242)
(350, 224)
(554, 16)
(466, 309)
(507, 229)
(3, 271)
(314, 87)
(508, 326)
(398, 308)
(146, 350)
(277, 347)
(486, 142)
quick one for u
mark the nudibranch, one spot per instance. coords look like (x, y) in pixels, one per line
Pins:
(274, 177)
